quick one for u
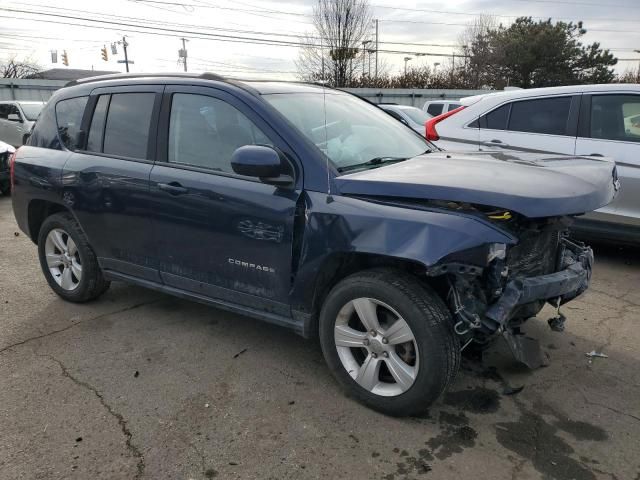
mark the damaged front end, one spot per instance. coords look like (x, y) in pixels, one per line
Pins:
(494, 291)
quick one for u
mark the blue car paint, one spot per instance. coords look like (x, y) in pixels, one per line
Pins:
(554, 187)
(291, 234)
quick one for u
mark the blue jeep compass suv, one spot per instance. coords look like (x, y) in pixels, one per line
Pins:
(309, 208)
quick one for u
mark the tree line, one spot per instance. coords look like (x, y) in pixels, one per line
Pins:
(524, 54)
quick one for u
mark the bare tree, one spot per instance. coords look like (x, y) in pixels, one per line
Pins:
(335, 53)
(475, 51)
(14, 68)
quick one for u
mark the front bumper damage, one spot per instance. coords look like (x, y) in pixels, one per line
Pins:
(576, 262)
(497, 301)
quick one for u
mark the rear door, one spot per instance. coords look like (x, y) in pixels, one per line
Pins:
(545, 124)
(219, 234)
(610, 126)
(106, 180)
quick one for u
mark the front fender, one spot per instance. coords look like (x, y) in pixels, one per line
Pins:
(339, 224)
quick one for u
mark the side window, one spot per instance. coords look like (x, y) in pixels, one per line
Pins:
(435, 109)
(69, 114)
(205, 131)
(615, 117)
(128, 123)
(545, 115)
(453, 106)
(4, 111)
(13, 110)
(98, 121)
(496, 119)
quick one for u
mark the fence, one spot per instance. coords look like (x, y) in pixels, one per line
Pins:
(22, 89)
(409, 96)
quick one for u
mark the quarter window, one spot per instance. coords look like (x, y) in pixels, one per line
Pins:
(96, 130)
(615, 117)
(69, 114)
(497, 119)
(545, 115)
(205, 131)
(435, 109)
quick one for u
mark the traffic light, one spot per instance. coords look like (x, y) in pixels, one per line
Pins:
(105, 57)
(65, 58)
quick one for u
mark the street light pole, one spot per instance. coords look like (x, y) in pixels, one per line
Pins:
(364, 54)
(406, 59)
(126, 58)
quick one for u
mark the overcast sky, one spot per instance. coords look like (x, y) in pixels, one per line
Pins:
(615, 25)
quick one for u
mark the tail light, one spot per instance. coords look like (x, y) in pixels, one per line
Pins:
(431, 133)
(12, 167)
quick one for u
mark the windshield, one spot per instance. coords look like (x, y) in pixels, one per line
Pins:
(416, 115)
(31, 110)
(355, 131)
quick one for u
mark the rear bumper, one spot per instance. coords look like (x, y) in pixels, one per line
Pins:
(576, 262)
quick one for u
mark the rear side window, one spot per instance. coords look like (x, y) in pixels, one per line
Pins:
(453, 106)
(69, 114)
(615, 117)
(128, 122)
(545, 115)
(435, 109)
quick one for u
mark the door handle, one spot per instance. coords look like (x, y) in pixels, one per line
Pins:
(495, 143)
(172, 188)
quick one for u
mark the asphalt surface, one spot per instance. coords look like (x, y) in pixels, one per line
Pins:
(141, 385)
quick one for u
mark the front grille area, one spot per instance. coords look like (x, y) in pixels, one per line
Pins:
(535, 254)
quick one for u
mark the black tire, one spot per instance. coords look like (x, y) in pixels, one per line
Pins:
(92, 284)
(430, 322)
(5, 189)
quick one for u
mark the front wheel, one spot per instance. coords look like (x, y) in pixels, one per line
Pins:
(68, 261)
(388, 340)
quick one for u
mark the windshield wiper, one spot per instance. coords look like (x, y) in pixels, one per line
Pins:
(373, 162)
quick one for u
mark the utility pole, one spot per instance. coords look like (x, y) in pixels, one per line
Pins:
(183, 53)
(126, 58)
(376, 49)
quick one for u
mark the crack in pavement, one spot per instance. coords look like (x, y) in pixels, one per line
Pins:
(607, 407)
(135, 451)
(68, 327)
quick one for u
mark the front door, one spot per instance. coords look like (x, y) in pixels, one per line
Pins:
(219, 234)
(610, 127)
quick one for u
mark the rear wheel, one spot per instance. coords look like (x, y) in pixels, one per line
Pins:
(388, 340)
(67, 260)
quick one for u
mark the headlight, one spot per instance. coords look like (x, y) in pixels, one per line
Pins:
(496, 250)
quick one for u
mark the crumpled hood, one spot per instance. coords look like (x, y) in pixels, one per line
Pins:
(534, 185)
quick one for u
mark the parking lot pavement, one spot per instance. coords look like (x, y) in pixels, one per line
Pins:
(142, 385)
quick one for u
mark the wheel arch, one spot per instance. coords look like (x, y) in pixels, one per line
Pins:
(38, 211)
(339, 266)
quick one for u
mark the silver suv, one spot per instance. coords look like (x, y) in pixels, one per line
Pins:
(17, 119)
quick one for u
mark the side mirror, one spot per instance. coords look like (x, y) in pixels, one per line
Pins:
(262, 162)
(14, 117)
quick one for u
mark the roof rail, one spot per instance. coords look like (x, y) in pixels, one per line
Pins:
(115, 76)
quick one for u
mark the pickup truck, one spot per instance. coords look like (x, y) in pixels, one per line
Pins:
(309, 208)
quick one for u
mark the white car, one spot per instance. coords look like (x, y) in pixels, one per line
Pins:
(438, 107)
(595, 120)
(411, 116)
(17, 119)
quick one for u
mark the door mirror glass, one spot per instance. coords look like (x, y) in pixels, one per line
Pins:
(14, 117)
